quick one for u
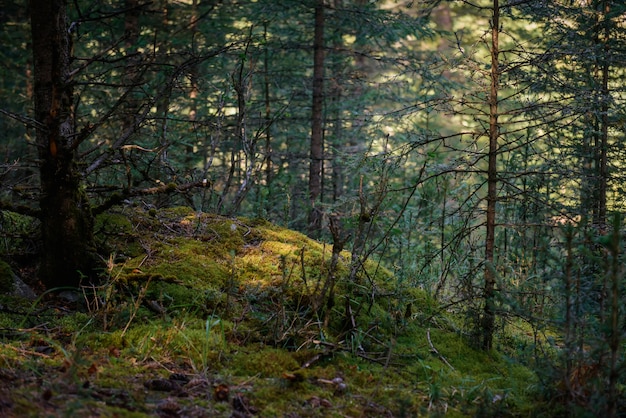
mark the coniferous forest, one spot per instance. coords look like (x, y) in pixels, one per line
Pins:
(312, 208)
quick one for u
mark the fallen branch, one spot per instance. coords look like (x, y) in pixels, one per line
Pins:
(119, 198)
(434, 350)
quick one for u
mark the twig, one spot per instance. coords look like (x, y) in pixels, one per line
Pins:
(118, 198)
(385, 366)
(384, 361)
(27, 352)
(312, 360)
(137, 303)
(434, 350)
(30, 122)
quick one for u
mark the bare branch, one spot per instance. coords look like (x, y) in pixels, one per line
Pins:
(30, 122)
(118, 198)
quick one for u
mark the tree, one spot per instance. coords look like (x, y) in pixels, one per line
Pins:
(580, 78)
(492, 183)
(69, 155)
(65, 213)
(317, 119)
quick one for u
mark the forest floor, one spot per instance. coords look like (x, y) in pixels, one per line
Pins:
(204, 316)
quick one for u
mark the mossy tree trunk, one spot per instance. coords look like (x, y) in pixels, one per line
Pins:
(66, 220)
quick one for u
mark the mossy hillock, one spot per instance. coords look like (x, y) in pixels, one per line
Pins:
(204, 315)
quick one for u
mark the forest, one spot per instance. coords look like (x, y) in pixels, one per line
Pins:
(312, 208)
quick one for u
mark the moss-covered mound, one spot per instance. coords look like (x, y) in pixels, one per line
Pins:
(201, 315)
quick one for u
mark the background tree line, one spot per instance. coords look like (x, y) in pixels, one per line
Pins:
(473, 147)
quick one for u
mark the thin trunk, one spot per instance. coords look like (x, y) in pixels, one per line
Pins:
(193, 78)
(132, 74)
(164, 169)
(488, 320)
(604, 121)
(268, 113)
(243, 149)
(570, 318)
(337, 99)
(163, 108)
(595, 143)
(132, 71)
(615, 329)
(248, 175)
(66, 220)
(317, 139)
(615, 276)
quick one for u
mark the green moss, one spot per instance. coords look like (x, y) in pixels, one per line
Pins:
(266, 362)
(75, 323)
(18, 232)
(178, 211)
(113, 233)
(113, 223)
(176, 298)
(235, 292)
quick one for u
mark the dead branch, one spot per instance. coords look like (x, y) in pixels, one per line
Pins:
(434, 350)
(118, 198)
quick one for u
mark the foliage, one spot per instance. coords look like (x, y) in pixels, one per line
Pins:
(207, 105)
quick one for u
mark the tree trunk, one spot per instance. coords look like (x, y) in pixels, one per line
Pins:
(596, 142)
(605, 93)
(268, 113)
(488, 320)
(66, 220)
(317, 137)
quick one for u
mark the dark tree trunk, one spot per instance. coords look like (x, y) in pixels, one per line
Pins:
(317, 137)
(596, 140)
(66, 220)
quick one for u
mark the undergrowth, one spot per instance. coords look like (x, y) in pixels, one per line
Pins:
(202, 315)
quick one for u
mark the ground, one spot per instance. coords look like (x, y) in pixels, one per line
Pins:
(199, 315)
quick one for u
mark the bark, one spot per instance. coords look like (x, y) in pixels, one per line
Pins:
(268, 113)
(600, 218)
(615, 333)
(66, 219)
(193, 78)
(132, 75)
(595, 144)
(317, 139)
(336, 98)
(132, 70)
(488, 320)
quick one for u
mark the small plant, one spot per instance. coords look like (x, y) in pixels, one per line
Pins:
(206, 347)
